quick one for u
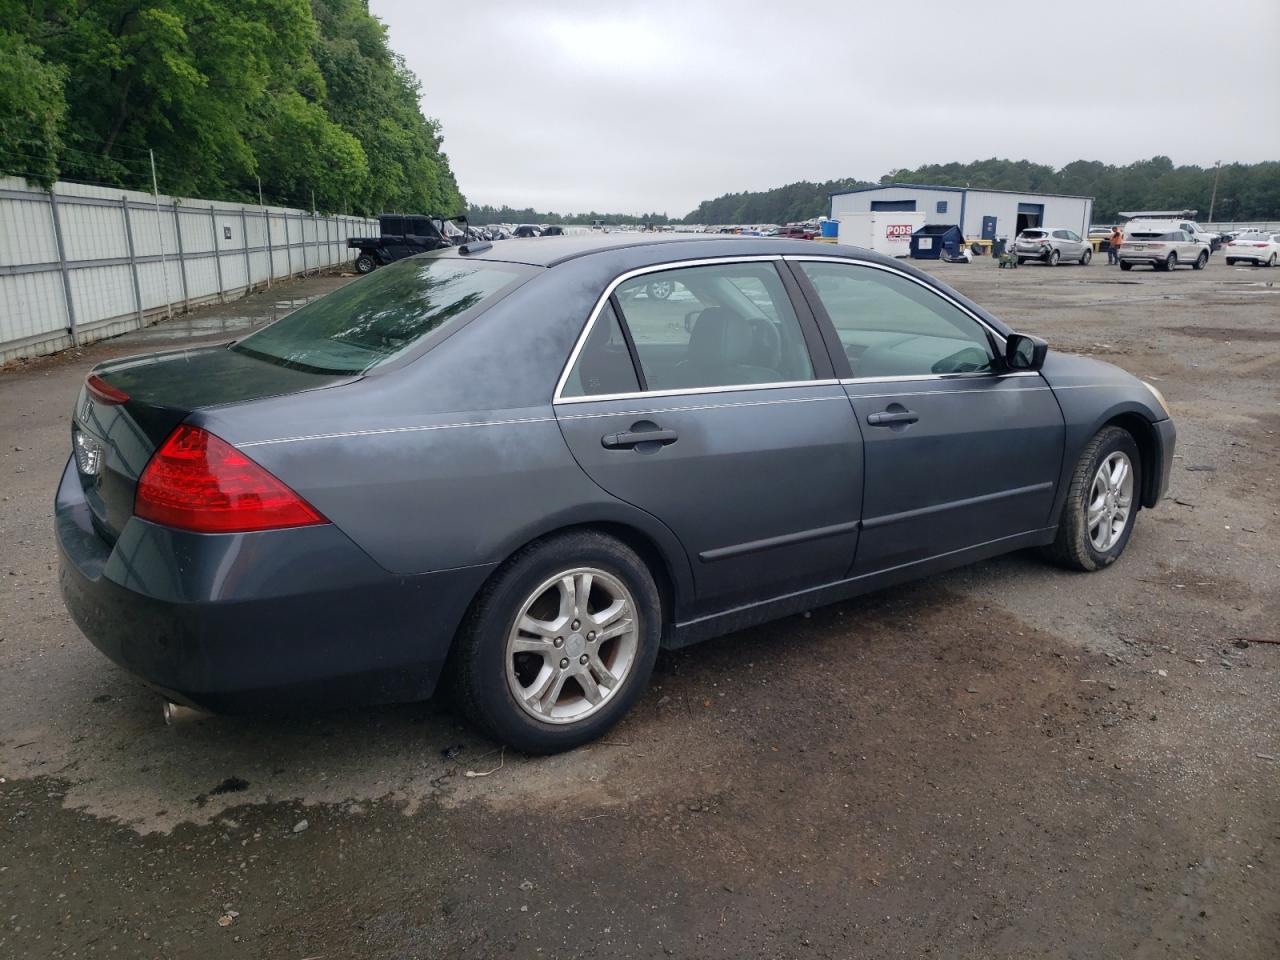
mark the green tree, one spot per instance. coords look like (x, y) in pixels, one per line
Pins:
(32, 108)
(306, 95)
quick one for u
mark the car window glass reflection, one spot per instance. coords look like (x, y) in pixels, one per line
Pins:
(890, 326)
(714, 326)
(366, 323)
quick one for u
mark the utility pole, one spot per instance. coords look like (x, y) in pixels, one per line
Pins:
(1217, 172)
(164, 266)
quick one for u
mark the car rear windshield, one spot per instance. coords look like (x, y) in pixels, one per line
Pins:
(1153, 235)
(1033, 234)
(371, 320)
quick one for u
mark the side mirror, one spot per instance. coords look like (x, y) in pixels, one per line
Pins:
(1024, 352)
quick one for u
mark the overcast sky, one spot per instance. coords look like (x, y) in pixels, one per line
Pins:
(632, 107)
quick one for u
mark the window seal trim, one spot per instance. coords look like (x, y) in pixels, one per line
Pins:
(622, 278)
(694, 391)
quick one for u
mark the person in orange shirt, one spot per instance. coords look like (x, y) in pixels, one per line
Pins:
(1113, 246)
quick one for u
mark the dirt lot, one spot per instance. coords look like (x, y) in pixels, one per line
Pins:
(1009, 761)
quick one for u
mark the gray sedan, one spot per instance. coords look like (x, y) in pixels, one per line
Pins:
(517, 470)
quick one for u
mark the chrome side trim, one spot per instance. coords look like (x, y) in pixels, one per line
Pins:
(941, 376)
(698, 391)
(888, 518)
(906, 276)
(379, 431)
(700, 406)
(940, 393)
(755, 546)
(623, 278)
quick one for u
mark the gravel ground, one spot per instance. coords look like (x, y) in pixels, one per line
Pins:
(1008, 761)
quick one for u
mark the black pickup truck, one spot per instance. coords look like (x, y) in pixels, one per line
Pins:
(403, 235)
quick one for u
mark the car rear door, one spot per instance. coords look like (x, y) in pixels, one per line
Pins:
(957, 452)
(715, 410)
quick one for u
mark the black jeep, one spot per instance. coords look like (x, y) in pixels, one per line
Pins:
(403, 235)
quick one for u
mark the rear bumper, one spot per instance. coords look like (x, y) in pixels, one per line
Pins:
(246, 622)
(1039, 253)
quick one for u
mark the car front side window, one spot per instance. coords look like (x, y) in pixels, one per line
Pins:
(892, 326)
(720, 325)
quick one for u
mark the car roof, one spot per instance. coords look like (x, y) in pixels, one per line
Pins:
(549, 251)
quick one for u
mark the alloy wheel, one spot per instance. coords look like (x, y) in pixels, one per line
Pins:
(572, 645)
(1110, 501)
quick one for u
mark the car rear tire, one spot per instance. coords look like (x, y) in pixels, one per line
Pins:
(1231, 261)
(1021, 261)
(1102, 503)
(365, 263)
(1168, 263)
(1200, 261)
(559, 643)
(1054, 257)
(1085, 258)
(1126, 265)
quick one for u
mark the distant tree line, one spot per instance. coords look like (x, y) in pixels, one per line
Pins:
(304, 94)
(485, 214)
(1245, 191)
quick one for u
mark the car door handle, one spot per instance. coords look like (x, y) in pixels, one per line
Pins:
(632, 438)
(890, 417)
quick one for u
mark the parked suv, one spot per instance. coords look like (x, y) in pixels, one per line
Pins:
(1052, 245)
(1212, 241)
(1164, 247)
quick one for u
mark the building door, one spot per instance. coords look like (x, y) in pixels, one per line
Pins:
(988, 228)
(1030, 216)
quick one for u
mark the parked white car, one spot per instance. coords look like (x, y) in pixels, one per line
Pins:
(1052, 245)
(1164, 248)
(1260, 249)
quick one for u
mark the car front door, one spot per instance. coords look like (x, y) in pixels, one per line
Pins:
(958, 453)
(714, 408)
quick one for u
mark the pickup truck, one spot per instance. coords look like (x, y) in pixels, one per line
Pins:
(403, 235)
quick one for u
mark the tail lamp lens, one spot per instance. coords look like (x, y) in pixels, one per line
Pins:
(197, 481)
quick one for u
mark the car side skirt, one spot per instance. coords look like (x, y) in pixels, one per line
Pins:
(750, 615)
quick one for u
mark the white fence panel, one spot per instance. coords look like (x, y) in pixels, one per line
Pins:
(85, 262)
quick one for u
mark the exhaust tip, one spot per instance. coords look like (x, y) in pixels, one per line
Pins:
(176, 713)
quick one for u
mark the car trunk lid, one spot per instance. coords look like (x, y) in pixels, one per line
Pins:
(127, 408)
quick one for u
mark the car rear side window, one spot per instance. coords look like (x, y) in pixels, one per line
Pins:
(371, 320)
(721, 325)
(891, 326)
(604, 363)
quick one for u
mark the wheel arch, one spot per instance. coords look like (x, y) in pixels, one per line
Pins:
(1144, 435)
(661, 553)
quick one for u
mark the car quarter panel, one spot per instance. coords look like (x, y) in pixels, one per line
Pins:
(1093, 393)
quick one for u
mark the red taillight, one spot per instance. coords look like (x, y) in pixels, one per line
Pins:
(1257, 244)
(197, 481)
(104, 392)
(1153, 246)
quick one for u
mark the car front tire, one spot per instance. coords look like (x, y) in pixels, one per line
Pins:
(1271, 261)
(1085, 258)
(1200, 261)
(559, 644)
(1101, 505)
